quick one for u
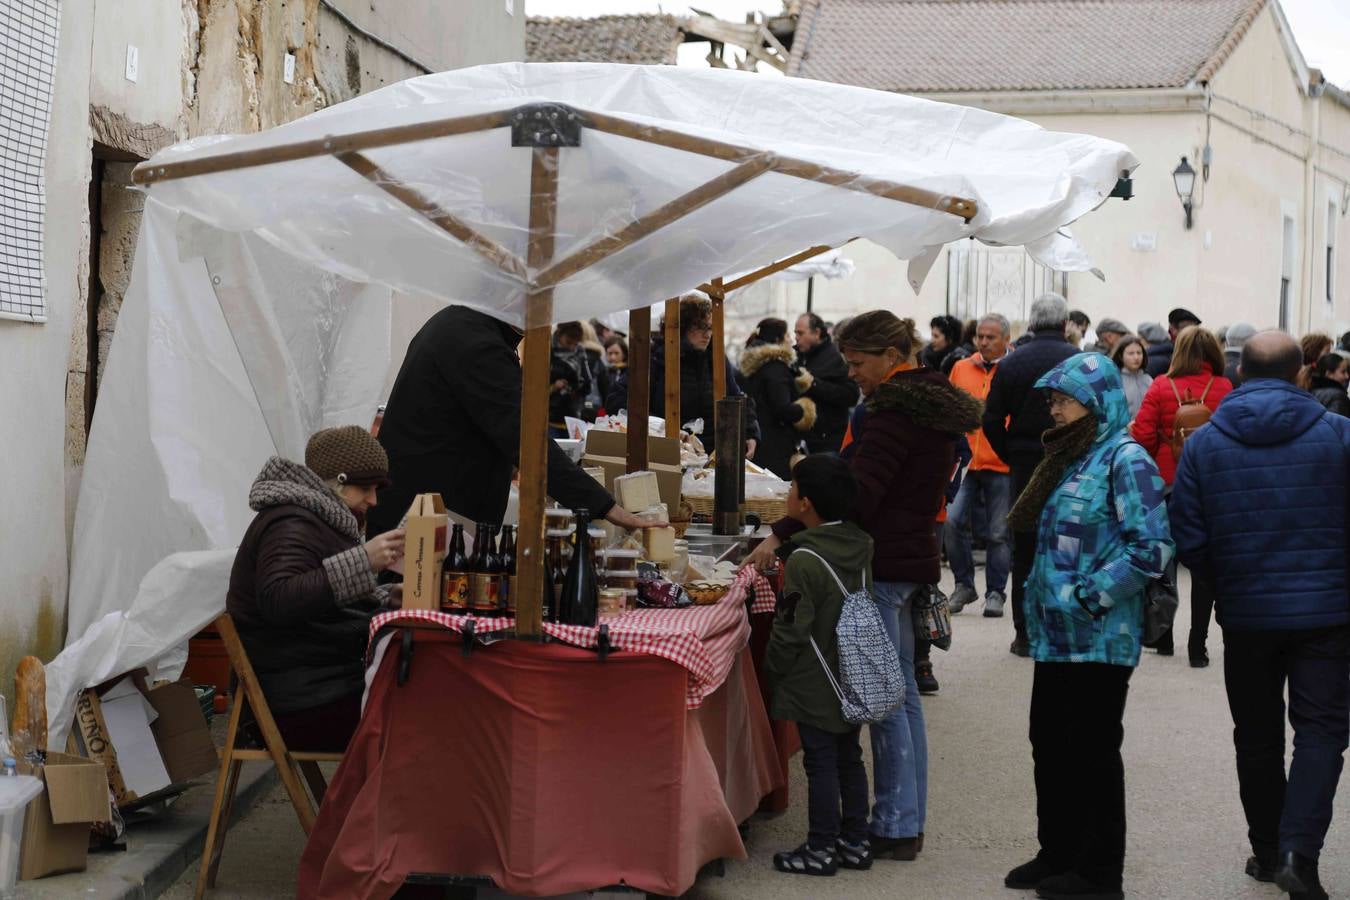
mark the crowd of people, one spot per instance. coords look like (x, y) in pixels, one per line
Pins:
(1083, 469)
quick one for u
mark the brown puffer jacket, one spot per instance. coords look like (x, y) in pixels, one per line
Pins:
(302, 592)
(903, 455)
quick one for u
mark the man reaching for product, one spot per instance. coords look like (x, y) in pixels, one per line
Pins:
(452, 425)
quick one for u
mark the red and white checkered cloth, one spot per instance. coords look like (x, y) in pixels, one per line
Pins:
(705, 640)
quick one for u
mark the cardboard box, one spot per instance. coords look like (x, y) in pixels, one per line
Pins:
(56, 828)
(150, 741)
(424, 551)
(609, 450)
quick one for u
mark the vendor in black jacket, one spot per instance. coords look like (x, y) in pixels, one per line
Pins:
(452, 425)
(822, 376)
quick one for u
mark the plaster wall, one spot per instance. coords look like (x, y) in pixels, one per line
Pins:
(204, 66)
(34, 372)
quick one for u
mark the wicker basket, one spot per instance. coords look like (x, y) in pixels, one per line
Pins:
(769, 511)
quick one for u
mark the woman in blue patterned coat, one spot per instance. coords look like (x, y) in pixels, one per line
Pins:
(1096, 504)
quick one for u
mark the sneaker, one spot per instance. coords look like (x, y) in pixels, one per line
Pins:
(1029, 874)
(993, 605)
(1020, 647)
(923, 677)
(963, 596)
(905, 849)
(853, 856)
(1072, 886)
(806, 861)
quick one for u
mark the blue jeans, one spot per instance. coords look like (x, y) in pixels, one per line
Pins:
(995, 489)
(900, 743)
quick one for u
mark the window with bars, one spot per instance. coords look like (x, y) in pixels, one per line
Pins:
(28, 33)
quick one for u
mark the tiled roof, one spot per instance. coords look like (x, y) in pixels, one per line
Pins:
(637, 39)
(938, 46)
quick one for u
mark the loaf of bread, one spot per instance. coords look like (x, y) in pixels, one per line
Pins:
(28, 727)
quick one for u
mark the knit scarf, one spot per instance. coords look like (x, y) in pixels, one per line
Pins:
(1064, 446)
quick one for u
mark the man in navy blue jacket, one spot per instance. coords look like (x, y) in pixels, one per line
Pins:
(1261, 504)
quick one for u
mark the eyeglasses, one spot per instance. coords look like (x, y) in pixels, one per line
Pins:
(1058, 402)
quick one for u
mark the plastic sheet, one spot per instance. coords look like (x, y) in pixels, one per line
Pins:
(260, 303)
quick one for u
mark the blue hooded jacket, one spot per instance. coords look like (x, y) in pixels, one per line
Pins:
(1260, 504)
(1103, 533)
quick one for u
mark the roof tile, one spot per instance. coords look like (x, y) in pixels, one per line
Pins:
(635, 39)
(936, 46)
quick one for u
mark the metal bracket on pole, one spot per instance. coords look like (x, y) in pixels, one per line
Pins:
(545, 125)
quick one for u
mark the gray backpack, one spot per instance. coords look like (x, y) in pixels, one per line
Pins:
(871, 683)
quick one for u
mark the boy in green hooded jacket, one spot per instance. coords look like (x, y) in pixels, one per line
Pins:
(822, 497)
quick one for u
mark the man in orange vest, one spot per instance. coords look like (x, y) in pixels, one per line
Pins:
(986, 482)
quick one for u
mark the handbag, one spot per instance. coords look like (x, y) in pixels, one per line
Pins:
(1160, 608)
(932, 616)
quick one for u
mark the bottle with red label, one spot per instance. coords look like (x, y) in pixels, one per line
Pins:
(457, 581)
(485, 584)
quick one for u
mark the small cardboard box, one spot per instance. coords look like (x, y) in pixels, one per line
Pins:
(150, 741)
(609, 449)
(56, 828)
(424, 552)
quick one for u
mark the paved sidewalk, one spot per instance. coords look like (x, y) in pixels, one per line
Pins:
(159, 849)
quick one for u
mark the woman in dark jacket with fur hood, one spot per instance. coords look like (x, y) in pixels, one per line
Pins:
(303, 591)
(767, 379)
(902, 449)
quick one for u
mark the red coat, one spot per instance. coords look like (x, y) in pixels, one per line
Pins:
(1152, 425)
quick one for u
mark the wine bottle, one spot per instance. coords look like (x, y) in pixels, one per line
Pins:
(457, 581)
(553, 579)
(507, 591)
(484, 593)
(581, 593)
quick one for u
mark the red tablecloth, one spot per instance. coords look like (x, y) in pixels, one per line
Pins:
(543, 768)
(705, 640)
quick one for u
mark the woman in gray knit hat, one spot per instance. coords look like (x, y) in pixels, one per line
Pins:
(303, 588)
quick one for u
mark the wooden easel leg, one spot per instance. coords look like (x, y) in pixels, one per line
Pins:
(218, 852)
(224, 794)
(318, 785)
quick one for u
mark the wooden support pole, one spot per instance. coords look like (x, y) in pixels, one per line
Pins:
(639, 385)
(719, 347)
(534, 397)
(656, 219)
(147, 173)
(672, 338)
(452, 225)
(771, 269)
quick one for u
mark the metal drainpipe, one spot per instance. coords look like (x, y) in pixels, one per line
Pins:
(1310, 207)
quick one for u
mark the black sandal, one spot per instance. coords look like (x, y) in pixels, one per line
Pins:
(806, 861)
(853, 856)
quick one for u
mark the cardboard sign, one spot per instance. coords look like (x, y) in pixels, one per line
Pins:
(426, 528)
(140, 769)
(56, 828)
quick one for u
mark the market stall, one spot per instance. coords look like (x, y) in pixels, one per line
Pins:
(269, 264)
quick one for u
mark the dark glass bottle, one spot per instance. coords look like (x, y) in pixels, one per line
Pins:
(457, 581)
(553, 579)
(507, 590)
(484, 593)
(581, 590)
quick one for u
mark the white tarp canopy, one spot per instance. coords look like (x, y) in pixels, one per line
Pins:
(271, 300)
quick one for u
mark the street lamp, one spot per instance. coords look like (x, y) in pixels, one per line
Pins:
(1183, 176)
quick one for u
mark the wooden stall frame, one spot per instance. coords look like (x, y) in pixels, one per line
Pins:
(548, 128)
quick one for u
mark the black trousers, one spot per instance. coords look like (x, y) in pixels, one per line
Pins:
(1293, 813)
(1077, 712)
(1023, 552)
(835, 778)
